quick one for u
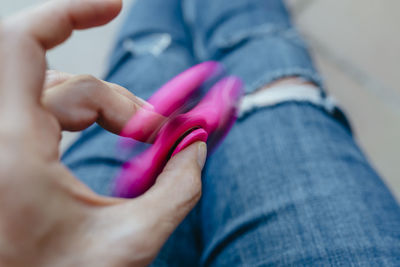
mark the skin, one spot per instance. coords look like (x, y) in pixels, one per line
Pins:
(48, 217)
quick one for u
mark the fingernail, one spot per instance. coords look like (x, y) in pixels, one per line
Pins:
(201, 154)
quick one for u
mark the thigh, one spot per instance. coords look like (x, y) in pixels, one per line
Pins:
(254, 39)
(289, 186)
(153, 46)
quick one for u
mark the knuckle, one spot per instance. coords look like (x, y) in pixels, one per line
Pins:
(86, 79)
(90, 84)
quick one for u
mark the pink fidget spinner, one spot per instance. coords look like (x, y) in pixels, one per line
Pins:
(208, 121)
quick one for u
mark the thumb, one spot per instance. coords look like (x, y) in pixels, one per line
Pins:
(141, 226)
(179, 184)
(175, 193)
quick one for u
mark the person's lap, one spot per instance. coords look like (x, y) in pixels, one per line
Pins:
(287, 186)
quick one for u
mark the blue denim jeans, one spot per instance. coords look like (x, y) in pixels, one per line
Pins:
(289, 185)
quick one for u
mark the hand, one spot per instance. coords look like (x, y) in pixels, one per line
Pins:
(47, 217)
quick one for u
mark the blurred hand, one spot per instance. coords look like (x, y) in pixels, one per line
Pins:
(47, 217)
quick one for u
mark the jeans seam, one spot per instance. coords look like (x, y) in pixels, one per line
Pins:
(302, 72)
(336, 113)
(287, 32)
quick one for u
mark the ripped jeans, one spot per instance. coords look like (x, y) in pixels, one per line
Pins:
(289, 185)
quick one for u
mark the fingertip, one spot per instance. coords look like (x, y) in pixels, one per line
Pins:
(187, 158)
(113, 7)
(184, 169)
(178, 188)
(195, 152)
(53, 22)
(98, 12)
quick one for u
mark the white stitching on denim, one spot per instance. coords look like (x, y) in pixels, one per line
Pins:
(285, 93)
(304, 73)
(155, 47)
(225, 42)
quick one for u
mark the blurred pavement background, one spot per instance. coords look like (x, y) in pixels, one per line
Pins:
(354, 44)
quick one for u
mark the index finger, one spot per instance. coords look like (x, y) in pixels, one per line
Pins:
(53, 22)
(25, 38)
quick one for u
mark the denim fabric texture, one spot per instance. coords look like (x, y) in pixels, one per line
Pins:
(289, 185)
